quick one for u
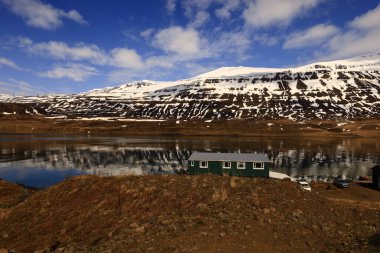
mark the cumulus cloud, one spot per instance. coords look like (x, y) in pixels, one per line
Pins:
(178, 40)
(73, 71)
(126, 58)
(313, 36)
(9, 63)
(264, 13)
(40, 15)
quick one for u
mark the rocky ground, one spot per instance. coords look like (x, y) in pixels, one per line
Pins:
(257, 128)
(179, 213)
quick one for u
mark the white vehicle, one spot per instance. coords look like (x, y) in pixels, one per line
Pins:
(304, 185)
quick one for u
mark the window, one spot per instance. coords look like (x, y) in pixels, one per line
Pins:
(203, 165)
(226, 165)
(241, 165)
(258, 166)
(191, 163)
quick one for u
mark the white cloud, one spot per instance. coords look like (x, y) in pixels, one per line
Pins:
(178, 40)
(367, 21)
(229, 6)
(170, 5)
(354, 43)
(147, 33)
(198, 11)
(265, 39)
(264, 13)
(200, 19)
(40, 15)
(60, 50)
(17, 87)
(313, 36)
(119, 57)
(73, 71)
(362, 37)
(9, 63)
(231, 43)
(126, 58)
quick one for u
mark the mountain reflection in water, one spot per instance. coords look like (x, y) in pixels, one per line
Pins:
(316, 159)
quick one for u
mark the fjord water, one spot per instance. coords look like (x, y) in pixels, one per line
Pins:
(43, 160)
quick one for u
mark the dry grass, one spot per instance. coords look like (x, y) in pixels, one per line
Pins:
(171, 213)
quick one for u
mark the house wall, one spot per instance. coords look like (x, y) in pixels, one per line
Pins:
(216, 167)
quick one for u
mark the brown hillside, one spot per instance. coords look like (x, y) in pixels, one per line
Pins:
(191, 214)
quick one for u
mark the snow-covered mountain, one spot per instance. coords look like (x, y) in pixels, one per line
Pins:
(326, 90)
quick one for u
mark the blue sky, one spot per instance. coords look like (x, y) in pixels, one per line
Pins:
(76, 45)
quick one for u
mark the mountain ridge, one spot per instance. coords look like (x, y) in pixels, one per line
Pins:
(324, 90)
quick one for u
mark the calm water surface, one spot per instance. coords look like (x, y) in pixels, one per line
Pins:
(44, 160)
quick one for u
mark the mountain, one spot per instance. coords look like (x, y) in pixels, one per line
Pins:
(324, 90)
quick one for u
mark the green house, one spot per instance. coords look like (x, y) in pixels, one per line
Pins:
(233, 164)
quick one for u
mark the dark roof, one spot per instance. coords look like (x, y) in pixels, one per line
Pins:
(377, 168)
(239, 157)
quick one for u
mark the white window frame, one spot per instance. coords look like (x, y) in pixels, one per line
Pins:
(240, 168)
(258, 168)
(192, 163)
(226, 167)
(203, 167)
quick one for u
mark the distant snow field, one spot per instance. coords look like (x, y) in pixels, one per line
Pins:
(343, 89)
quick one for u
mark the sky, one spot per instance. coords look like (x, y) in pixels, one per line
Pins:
(72, 46)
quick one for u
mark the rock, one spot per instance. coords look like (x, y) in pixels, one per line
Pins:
(266, 210)
(204, 234)
(134, 225)
(140, 229)
(297, 214)
(110, 234)
(165, 222)
(222, 234)
(222, 216)
(247, 226)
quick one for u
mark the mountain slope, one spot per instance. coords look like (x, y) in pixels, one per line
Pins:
(326, 90)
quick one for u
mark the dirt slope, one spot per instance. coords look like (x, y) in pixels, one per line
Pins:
(190, 214)
(11, 195)
(369, 128)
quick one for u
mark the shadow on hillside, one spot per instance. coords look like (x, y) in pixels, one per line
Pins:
(375, 241)
(367, 185)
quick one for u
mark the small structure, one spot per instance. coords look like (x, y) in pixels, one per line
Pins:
(376, 176)
(233, 164)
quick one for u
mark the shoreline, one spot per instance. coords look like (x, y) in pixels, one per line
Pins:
(364, 128)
